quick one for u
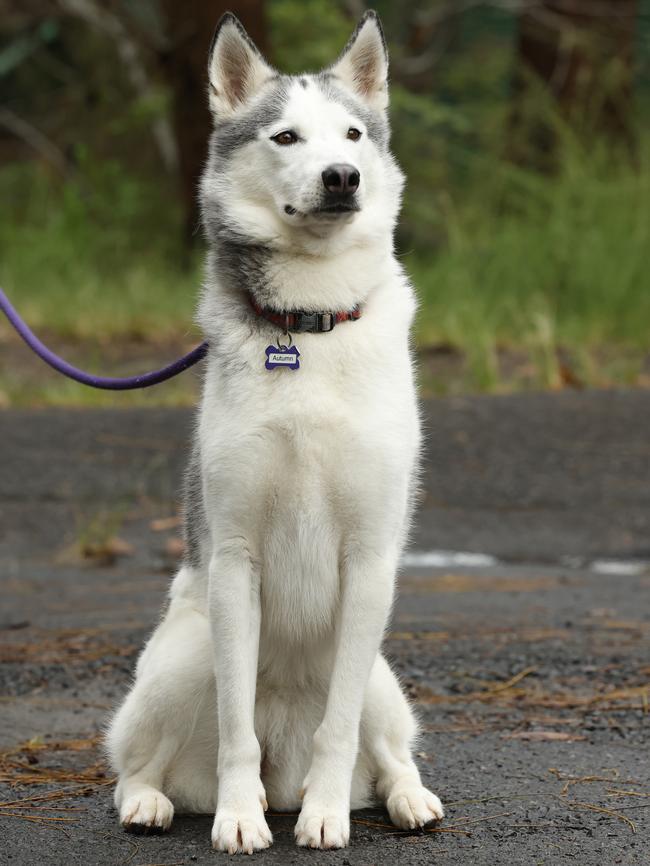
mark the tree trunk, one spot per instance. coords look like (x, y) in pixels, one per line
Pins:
(190, 26)
(582, 51)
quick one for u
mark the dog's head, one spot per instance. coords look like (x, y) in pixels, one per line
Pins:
(299, 156)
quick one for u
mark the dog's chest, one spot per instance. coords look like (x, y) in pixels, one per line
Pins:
(308, 464)
(303, 530)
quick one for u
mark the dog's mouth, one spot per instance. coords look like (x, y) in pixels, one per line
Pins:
(340, 207)
(329, 210)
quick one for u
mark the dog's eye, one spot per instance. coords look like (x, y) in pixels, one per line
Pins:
(353, 134)
(288, 136)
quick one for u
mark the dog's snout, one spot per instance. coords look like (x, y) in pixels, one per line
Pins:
(341, 178)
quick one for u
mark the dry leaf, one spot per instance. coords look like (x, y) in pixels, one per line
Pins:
(175, 547)
(543, 735)
(569, 377)
(107, 552)
(162, 524)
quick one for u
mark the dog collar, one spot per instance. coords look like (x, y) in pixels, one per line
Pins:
(299, 321)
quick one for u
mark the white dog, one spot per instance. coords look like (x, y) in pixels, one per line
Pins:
(264, 683)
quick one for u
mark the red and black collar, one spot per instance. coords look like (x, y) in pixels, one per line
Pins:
(299, 321)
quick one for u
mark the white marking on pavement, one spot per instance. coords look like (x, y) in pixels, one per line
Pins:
(446, 559)
(465, 559)
(619, 566)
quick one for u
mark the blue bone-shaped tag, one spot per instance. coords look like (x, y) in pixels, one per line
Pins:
(282, 356)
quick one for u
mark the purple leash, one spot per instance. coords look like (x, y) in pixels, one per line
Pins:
(144, 380)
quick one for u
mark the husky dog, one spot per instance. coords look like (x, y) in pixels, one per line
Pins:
(264, 684)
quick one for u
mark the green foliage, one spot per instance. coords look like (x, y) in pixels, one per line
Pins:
(424, 132)
(306, 36)
(95, 256)
(542, 264)
(507, 259)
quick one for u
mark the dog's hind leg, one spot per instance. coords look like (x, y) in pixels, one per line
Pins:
(157, 720)
(141, 803)
(387, 733)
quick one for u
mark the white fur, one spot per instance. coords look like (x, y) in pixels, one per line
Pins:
(264, 683)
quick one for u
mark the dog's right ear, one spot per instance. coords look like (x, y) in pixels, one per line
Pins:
(236, 69)
(363, 66)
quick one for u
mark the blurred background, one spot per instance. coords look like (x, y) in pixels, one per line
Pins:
(523, 127)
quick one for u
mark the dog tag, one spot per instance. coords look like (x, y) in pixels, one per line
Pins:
(282, 356)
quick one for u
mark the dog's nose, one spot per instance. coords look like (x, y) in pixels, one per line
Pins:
(341, 178)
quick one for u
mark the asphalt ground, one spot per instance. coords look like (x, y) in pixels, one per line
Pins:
(529, 663)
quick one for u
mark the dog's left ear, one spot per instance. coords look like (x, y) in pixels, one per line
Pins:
(363, 65)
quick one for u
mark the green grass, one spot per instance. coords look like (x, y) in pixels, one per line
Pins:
(543, 266)
(99, 257)
(571, 258)
(47, 388)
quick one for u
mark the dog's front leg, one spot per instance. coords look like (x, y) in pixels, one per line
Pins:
(234, 603)
(367, 592)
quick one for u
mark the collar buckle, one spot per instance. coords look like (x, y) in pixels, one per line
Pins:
(326, 322)
(301, 321)
(319, 323)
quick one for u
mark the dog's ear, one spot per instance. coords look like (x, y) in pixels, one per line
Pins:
(363, 65)
(236, 69)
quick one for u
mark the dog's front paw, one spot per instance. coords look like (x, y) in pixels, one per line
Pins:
(147, 811)
(241, 831)
(322, 826)
(411, 806)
